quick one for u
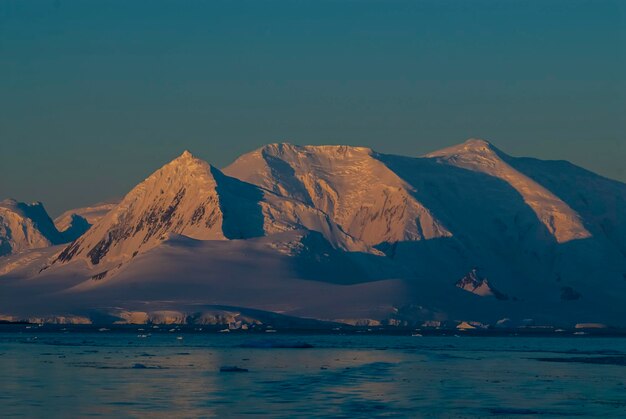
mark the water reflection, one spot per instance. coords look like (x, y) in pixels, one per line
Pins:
(342, 376)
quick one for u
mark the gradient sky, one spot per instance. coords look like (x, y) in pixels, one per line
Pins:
(95, 95)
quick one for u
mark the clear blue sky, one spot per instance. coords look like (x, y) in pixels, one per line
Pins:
(95, 95)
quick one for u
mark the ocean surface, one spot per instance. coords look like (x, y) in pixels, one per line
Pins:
(167, 372)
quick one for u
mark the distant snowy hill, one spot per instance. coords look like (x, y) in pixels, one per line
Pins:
(25, 226)
(28, 226)
(75, 222)
(341, 233)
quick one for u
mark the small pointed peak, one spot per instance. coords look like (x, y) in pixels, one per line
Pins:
(185, 159)
(186, 162)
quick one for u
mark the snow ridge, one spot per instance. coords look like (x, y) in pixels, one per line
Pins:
(480, 155)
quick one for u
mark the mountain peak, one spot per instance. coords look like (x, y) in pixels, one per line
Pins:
(560, 220)
(185, 158)
(477, 143)
(186, 155)
(472, 146)
(185, 165)
(359, 192)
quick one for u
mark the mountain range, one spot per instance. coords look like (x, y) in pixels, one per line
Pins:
(338, 234)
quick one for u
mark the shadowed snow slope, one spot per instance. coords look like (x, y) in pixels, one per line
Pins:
(345, 232)
(480, 156)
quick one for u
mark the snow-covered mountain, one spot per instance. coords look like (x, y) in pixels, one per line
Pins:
(28, 226)
(192, 198)
(358, 191)
(339, 232)
(464, 206)
(25, 226)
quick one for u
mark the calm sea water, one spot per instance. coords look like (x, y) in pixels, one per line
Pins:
(174, 374)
